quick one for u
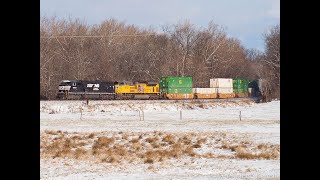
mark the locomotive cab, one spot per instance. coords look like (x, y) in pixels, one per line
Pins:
(65, 85)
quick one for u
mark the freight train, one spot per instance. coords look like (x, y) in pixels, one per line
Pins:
(169, 87)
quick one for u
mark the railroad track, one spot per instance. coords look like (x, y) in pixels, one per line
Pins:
(167, 100)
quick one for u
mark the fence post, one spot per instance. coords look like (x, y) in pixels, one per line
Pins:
(180, 115)
(139, 115)
(240, 116)
(81, 113)
(142, 115)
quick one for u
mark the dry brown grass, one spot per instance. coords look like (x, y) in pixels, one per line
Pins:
(152, 139)
(169, 138)
(51, 132)
(111, 159)
(243, 153)
(155, 145)
(245, 142)
(150, 154)
(148, 160)
(208, 155)
(154, 148)
(125, 136)
(91, 135)
(232, 147)
(221, 156)
(185, 140)
(108, 152)
(81, 144)
(60, 137)
(102, 142)
(65, 152)
(263, 146)
(137, 147)
(196, 145)
(135, 140)
(189, 151)
(104, 160)
(68, 143)
(120, 150)
(79, 152)
(201, 141)
(53, 147)
(176, 151)
(76, 138)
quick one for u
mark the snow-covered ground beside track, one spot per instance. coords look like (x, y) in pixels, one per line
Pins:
(260, 123)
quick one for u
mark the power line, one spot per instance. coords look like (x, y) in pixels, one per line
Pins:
(89, 36)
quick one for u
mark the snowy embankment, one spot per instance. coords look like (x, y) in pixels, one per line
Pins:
(159, 110)
(161, 115)
(259, 124)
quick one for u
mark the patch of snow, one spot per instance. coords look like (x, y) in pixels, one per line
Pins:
(259, 123)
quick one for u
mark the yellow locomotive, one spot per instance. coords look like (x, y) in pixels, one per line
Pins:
(137, 90)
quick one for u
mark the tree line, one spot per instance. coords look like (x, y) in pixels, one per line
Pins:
(114, 50)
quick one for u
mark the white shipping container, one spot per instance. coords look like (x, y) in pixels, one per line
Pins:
(225, 90)
(205, 90)
(221, 83)
(212, 90)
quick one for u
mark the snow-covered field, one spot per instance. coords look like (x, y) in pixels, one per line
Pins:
(260, 123)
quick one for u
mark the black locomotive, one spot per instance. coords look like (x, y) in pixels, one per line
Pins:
(78, 89)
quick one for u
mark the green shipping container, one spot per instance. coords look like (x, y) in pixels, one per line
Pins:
(240, 85)
(177, 82)
(239, 90)
(177, 90)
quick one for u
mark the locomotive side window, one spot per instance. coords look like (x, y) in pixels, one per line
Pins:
(65, 84)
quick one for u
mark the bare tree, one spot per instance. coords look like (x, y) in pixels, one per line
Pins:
(272, 60)
(184, 36)
(115, 51)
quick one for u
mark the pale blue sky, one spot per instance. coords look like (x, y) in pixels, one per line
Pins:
(246, 20)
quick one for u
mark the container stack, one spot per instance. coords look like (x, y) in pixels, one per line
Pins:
(224, 87)
(176, 87)
(205, 93)
(240, 87)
